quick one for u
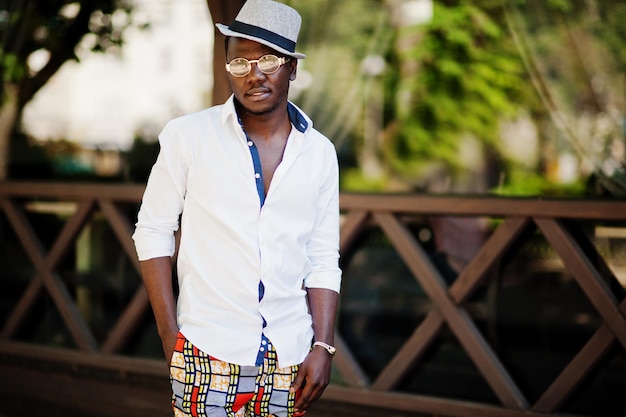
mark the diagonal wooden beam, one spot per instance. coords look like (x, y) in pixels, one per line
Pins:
(344, 361)
(587, 276)
(56, 288)
(351, 228)
(21, 309)
(347, 365)
(410, 352)
(123, 230)
(68, 235)
(129, 319)
(457, 318)
(462, 288)
(575, 372)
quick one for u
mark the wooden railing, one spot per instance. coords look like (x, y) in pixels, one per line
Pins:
(447, 305)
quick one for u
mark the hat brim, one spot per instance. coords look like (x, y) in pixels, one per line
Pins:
(227, 32)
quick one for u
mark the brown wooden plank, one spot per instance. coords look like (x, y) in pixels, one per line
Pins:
(462, 288)
(575, 372)
(72, 191)
(419, 204)
(63, 301)
(423, 404)
(74, 359)
(457, 318)
(56, 394)
(485, 206)
(587, 276)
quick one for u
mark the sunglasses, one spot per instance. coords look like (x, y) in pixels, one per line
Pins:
(268, 64)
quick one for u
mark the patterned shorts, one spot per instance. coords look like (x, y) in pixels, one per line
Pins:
(207, 387)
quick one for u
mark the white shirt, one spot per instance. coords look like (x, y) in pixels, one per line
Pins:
(229, 242)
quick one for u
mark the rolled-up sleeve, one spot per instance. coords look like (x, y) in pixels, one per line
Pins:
(323, 246)
(163, 198)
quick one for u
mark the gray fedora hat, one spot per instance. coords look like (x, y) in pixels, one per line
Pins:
(268, 22)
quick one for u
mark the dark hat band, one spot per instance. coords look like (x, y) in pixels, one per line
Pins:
(258, 32)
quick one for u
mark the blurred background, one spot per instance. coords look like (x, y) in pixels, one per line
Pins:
(515, 97)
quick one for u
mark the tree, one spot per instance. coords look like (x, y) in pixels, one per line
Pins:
(221, 12)
(460, 77)
(51, 29)
(574, 54)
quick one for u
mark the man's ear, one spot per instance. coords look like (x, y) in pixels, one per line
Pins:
(294, 70)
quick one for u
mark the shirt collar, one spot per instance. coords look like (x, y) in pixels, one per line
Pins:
(296, 116)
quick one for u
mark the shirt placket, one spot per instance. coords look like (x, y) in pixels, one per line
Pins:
(258, 178)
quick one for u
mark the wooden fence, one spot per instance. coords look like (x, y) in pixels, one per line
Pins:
(93, 374)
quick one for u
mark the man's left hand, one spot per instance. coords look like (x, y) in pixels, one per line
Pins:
(312, 379)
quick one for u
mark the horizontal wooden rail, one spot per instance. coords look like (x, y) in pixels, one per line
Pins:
(558, 221)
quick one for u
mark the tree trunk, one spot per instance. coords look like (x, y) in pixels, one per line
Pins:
(221, 12)
(8, 119)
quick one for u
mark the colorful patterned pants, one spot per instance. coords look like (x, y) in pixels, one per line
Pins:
(203, 386)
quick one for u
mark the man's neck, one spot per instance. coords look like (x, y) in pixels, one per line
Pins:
(264, 125)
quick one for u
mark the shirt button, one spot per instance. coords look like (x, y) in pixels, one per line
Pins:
(257, 175)
(250, 143)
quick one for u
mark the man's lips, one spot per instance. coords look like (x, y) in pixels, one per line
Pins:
(257, 92)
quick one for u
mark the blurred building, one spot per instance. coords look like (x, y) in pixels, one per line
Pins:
(161, 72)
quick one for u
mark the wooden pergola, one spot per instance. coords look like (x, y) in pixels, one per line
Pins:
(36, 373)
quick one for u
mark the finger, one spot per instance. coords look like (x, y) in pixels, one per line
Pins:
(303, 400)
(298, 382)
(310, 394)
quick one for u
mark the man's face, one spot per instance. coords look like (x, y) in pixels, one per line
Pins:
(257, 92)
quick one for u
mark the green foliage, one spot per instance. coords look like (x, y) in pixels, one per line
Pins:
(468, 79)
(14, 70)
(523, 183)
(352, 180)
(57, 27)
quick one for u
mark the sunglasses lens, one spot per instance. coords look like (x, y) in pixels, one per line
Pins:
(239, 67)
(269, 64)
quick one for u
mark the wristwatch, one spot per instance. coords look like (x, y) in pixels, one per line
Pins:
(330, 349)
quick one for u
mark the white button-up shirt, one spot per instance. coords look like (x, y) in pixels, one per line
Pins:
(229, 242)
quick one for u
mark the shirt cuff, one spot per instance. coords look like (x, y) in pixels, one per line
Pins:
(330, 280)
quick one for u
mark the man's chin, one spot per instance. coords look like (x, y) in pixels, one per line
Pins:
(259, 110)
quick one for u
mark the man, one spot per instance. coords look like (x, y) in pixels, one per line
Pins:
(256, 191)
